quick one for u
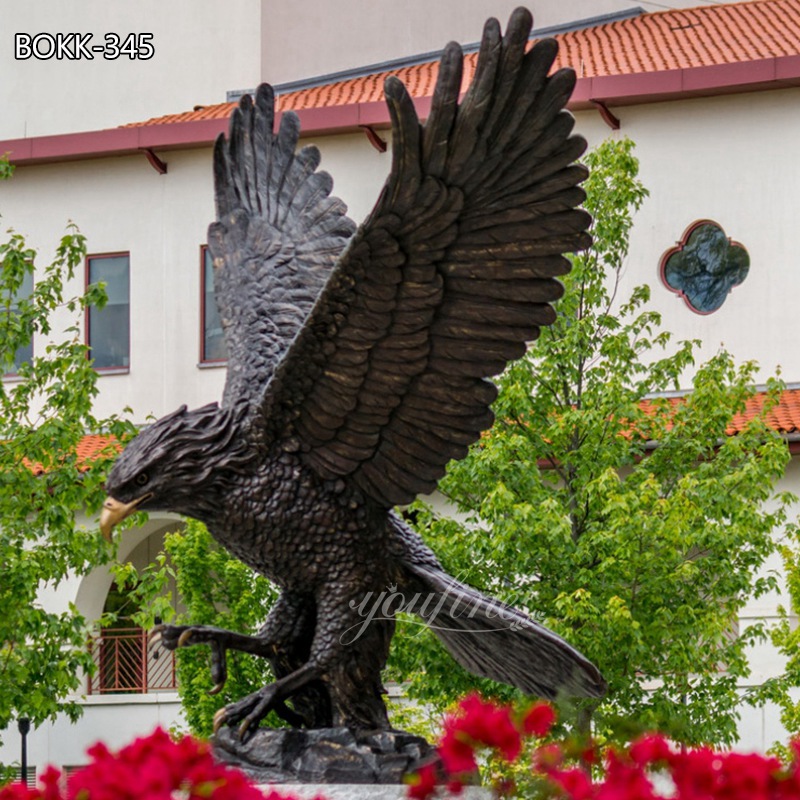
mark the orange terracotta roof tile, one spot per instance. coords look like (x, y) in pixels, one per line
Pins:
(784, 417)
(683, 38)
(666, 40)
(91, 446)
(88, 450)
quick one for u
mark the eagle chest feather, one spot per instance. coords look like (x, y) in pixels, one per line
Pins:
(298, 530)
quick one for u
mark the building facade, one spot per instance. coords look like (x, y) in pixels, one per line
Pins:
(710, 95)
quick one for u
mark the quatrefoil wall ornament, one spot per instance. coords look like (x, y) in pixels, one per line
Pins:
(704, 266)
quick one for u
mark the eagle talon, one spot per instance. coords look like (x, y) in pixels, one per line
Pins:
(249, 711)
(217, 688)
(219, 719)
(183, 639)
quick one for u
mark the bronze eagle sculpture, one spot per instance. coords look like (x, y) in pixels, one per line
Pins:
(358, 365)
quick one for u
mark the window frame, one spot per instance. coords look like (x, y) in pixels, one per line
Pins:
(204, 362)
(679, 247)
(14, 374)
(110, 370)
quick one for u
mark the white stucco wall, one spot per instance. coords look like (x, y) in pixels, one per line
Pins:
(202, 48)
(703, 158)
(729, 159)
(122, 204)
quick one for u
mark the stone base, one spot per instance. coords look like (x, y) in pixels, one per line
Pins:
(350, 791)
(322, 756)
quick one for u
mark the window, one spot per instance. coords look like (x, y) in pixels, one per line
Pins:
(108, 328)
(704, 266)
(24, 353)
(212, 342)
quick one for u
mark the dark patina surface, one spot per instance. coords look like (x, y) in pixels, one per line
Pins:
(358, 366)
(323, 755)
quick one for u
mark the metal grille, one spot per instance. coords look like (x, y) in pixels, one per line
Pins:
(128, 664)
(30, 777)
(67, 771)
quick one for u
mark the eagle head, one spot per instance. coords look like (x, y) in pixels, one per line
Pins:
(172, 465)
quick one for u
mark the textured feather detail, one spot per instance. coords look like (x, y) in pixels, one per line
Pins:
(380, 376)
(277, 236)
(494, 640)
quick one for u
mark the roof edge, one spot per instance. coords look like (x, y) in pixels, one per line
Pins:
(314, 81)
(610, 90)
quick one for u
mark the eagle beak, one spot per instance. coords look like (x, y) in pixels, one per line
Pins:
(114, 512)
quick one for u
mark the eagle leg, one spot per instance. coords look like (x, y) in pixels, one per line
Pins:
(220, 641)
(339, 679)
(174, 636)
(284, 639)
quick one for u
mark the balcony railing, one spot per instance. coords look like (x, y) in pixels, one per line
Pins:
(127, 663)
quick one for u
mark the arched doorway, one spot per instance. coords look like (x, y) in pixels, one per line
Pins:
(126, 661)
(121, 651)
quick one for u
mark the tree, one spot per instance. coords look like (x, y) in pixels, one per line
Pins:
(785, 637)
(628, 521)
(44, 414)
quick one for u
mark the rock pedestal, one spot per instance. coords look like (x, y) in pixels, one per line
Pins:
(323, 756)
(363, 791)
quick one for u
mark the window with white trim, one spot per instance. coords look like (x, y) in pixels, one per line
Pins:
(108, 328)
(212, 341)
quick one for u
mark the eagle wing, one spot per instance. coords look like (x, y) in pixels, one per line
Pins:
(445, 282)
(276, 240)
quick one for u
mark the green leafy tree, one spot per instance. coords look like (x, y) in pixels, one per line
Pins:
(629, 522)
(44, 413)
(785, 637)
(216, 589)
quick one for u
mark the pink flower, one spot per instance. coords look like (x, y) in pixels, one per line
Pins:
(650, 748)
(624, 781)
(154, 768)
(457, 752)
(454, 786)
(422, 784)
(19, 791)
(479, 722)
(539, 719)
(574, 782)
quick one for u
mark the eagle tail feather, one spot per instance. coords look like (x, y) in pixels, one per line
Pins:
(494, 640)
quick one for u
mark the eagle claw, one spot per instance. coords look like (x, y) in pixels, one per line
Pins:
(175, 636)
(248, 711)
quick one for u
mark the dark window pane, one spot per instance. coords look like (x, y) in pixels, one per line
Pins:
(213, 340)
(705, 266)
(109, 327)
(25, 353)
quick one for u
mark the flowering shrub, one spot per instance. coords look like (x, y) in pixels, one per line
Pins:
(154, 767)
(157, 767)
(564, 769)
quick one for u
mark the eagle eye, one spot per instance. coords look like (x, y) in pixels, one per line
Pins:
(142, 478)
